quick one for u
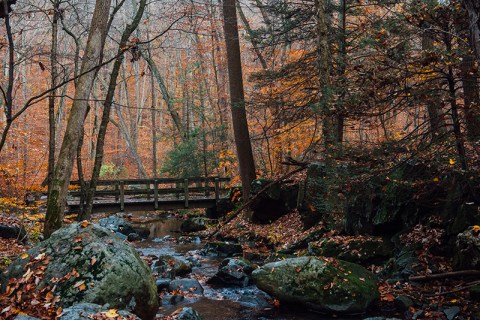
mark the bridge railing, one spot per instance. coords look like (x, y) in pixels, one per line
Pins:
(157, 188)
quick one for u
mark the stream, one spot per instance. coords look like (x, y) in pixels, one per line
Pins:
(216, 303)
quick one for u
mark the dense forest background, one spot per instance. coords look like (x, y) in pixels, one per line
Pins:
(322, 80)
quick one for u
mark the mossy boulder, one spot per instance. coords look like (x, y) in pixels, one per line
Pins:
(93, 266)
(467, 253)
(322, 284)
(361, 250)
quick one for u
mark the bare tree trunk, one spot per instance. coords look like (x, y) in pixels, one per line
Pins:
(51, 98)
(473, 10)
(8, 95)
(237, 98)
(64, 166)
(437, 126)
(165, 94)
(325, 81)
(469, 74)
(107, 107)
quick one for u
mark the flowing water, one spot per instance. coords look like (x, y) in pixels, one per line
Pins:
(217, 303)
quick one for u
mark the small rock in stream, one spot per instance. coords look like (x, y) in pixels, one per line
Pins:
(187, 314)
(186, 285)
(452, 312)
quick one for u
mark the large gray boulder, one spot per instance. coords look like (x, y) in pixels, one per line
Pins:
(321, 284)
(88, 264)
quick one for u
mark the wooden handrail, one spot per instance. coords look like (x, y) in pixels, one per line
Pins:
(153, 181)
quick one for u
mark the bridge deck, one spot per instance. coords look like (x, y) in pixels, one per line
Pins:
(151, 194)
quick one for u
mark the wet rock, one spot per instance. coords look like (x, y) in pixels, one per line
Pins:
(255, 301)
(170, 267)
(233, 272)
(193, 225)
(186, 285)
(25, 317)
(133, 237)
(403, 303)
(187, 314)
(222, 249)
(418, 314)
(117, 224)
(162, 284)
(118, 276)
(85, 311)
(13, 232)
(361, 251)
(467, 253)
(326, 285)
(452, 312)
(173, 298)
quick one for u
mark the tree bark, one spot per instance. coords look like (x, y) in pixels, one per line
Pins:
(51, 98)
(473, 10)
(237, 98)
(325, 90)
(64, 166)
(471, 97)
(165, 94)
(107, 108)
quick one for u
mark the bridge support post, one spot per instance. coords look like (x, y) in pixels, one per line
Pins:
(217, 189)
(185, 187)
(122, 196)
(155, 194)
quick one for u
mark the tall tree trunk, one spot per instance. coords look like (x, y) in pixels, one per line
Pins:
(107, 107)
(51, 98)
(325, 91)
(8, 95)
(469, 74)
(165, 94)
(473, 10)
(433, 101)
(64, 166)
(237, 98)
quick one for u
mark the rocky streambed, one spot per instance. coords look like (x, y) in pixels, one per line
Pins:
(214, 280)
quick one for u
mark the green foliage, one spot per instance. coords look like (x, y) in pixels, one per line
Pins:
(188, 159)
(109, 170)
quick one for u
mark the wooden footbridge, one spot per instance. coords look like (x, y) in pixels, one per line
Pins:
(151, 194)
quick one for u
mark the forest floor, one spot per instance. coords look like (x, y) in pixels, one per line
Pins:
(445, 298)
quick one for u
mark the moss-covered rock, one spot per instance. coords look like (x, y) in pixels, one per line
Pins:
(94, 267)
(467, 255)
(327, 285)
(362, 250)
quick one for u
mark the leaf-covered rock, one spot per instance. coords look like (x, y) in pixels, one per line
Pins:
(88, 264)
(326, 285)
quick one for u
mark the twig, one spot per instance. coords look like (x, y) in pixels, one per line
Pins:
(469, 285)
(437, 276)
(246, 204)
